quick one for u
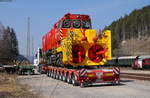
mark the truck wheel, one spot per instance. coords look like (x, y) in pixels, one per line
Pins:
(18, 72)
(74, 80)
(33, 72)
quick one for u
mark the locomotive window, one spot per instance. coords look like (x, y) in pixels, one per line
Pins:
(86, 24)
(76, 23)
(66, 23)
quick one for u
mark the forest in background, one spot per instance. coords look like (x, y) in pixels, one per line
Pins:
(131, 33)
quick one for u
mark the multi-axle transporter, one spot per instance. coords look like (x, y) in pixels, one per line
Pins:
(73, 52)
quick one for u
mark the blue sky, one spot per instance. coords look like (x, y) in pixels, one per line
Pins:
(44, 13)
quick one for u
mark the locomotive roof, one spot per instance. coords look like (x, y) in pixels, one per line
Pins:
(75, 16)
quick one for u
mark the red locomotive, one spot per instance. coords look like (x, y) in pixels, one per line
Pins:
(72, 41)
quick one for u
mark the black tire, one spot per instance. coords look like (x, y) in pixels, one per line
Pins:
(64, 78)
(82, 84)
(116, 82)
(60, 77)
(19, 73)
(33, 72)
(47, 73)
(30, 72)
(74, 80)
(52, 74)
(57, 76)
(68, 79)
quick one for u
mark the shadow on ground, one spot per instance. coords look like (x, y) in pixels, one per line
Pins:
(122, 82)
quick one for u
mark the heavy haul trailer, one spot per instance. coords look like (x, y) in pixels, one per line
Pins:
(84, 77)
(72, 46)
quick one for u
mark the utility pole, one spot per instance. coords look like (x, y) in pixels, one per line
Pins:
(32, 47)
(28, 37)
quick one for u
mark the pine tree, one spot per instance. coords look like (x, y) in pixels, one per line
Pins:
(1, 31)
(9, 46)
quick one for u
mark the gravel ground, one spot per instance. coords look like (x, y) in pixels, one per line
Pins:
(51, 88)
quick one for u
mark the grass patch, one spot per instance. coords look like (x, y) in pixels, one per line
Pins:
(11, 88)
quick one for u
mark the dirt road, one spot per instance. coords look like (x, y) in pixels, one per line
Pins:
(51, 88)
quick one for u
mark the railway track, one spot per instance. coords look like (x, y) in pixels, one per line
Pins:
(137, 76)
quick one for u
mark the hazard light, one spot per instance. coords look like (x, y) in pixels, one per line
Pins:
(90, 75)
(109, 74)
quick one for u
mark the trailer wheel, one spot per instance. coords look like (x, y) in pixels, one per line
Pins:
(64, 78)
(53, 74)
(82, 84)
(74, 80)
(60, 77)
(116, 82)
(50, 74)
(68, 79)
(57, 75)
(47, 73)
